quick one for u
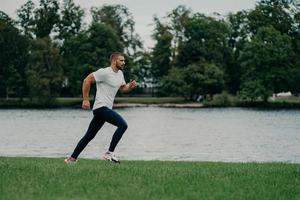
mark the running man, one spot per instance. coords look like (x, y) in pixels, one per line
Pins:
(108, 81)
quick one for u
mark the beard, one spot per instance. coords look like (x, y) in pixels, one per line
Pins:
(120, 67)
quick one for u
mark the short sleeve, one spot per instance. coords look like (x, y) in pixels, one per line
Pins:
(99, 75)
(123, 80)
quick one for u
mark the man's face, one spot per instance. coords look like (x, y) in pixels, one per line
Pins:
(120, 62)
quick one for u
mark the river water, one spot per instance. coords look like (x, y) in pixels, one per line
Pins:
(214, 134)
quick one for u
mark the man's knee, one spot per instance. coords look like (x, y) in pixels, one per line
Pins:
(124, 126)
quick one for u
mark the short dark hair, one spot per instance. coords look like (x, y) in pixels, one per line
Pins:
(115, 55)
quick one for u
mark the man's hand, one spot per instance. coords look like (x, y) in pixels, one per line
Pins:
(128, 87)
(86, 104)
(132, 84)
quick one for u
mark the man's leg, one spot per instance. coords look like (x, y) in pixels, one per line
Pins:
(94, 127)
(114, 118)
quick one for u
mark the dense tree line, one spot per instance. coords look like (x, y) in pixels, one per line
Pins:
(48, 50)
(252, 53)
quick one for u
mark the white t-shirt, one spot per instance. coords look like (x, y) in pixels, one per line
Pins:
(108, 83)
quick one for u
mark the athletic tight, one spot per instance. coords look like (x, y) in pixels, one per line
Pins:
(102, 115)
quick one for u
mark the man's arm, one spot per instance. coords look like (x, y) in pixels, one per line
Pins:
(128, 87)
(86, 86)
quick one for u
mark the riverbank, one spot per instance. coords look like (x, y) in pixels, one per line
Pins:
(50, 178)
(167, 102)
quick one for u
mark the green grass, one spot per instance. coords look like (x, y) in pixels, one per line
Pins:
(50, 178)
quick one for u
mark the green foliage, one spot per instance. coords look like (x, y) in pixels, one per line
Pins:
(237, 39)
(194, 80)
(206, 40)
(252, 52)
(271, 59)
(4, 18)
(39, 21)
(213, 79)
(121, 21)
(13, 59)
(189, 42)
(254, 89)
(294, 80)
(46, 17)
(266, 64)
(174, 84)
(141, 69)
(161, 54)
(221, 100)
(270, 13)
(178, 18)
(44, 71)
(101, 49)
(26, 18)
(70, 20)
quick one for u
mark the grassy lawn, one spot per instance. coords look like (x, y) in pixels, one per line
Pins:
(50, 178)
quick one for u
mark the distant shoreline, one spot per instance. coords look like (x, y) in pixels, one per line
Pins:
(164, 105)
(164, 102)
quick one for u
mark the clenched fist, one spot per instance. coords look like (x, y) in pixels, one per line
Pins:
(86, 104)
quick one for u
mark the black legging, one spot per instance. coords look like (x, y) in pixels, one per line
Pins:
(102, 115)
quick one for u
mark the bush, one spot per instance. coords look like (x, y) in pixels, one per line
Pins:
(221, 100)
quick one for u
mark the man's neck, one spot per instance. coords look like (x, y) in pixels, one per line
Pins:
(114, 68)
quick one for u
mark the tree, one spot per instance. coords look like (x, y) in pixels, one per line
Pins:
(69, 27)
(103, 41)
(270, 13)
(71, 20)
(44, 73)
(121, 21)
(161, 54)
(46, 17)
(206, 40)
(266, 64)
(295, 75)
(141, 70)
(237, 38)
(178, 18)
(26, 18)
(294, 80)
(13, 58)
(174, 84)
(213, 79)
(196, 79)
(4, 18)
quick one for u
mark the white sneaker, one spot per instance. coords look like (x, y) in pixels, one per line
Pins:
(70, 161)
(111, 157)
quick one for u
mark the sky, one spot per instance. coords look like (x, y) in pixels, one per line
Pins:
(144, 10)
